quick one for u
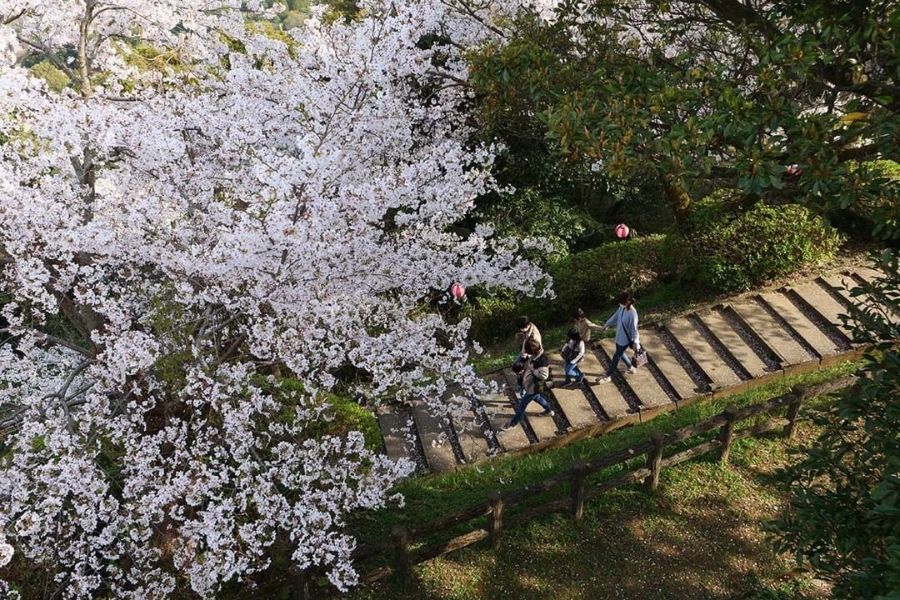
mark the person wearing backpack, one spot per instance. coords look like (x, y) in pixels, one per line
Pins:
(572, 353)
(535, 374)
(625, 320)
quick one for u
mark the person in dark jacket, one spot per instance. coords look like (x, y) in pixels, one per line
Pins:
(536, 372)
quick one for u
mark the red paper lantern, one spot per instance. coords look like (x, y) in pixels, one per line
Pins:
(794, 170)
(457, 291)
(622, 231)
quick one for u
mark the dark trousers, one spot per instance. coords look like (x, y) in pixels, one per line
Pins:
(523, 404)
(619, 354)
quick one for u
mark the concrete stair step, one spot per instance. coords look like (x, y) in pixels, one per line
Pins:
(821, 343)
(543, 426)
(500, 410)
(574, 404)
(769, 330)
(823, 303)
(435, 441)
(393, 427)
(668, 365)
(844, 285)
(470, 436)
(868, 274)
(608, 395)
(723, 331)
(706, 357)
(641, 382)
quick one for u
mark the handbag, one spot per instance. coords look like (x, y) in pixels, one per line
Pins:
(640, 356)
(568, 353)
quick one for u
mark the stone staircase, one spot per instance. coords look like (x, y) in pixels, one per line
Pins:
(711, 353)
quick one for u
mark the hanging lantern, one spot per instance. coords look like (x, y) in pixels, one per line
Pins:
(457, 291)
(622, 231)
(794, 170)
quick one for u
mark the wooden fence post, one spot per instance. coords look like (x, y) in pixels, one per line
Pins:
(726, 434)
(654, 461)
(495, 519)
(401, 551)
(578, 478)
(793, 410)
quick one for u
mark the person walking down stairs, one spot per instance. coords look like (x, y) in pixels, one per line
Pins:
(625, 320)
(535, 371)
(572, 353)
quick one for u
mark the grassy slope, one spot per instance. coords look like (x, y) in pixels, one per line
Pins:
(699, 537)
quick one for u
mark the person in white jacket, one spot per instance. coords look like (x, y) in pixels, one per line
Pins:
(572, 353)
(625, 320)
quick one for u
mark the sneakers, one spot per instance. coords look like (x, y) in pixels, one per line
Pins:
(604, 379)
(549, 413)
(632, 370)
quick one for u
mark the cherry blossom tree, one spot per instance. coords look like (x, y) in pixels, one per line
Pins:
(200, 227)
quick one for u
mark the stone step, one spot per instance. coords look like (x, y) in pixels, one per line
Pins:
(723, 331)
(543, 426)
(821, 343)
(844, 286)
(641, 382)
(706, 357)
(394, 428)
(435, 441)
(575, 406)
(500, 410)
(470, 436)
(608, 395)
(869, 274)
(824, 304)
(668, 365)
(772, 333)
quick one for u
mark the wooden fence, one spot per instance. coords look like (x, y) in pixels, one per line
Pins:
(574, 481)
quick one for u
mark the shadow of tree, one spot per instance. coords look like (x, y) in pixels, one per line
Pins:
(699, 537)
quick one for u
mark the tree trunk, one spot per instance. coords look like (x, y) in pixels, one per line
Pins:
(678, 198)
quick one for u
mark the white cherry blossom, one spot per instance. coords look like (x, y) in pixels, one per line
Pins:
(202, 235)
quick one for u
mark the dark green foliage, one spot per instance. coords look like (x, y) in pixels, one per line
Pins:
(844, 516)
(531, 213)
(596, 277)
(753, 88)
(589, 279)
(728, 252)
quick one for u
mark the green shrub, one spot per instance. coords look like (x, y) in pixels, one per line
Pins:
(596, 277)
(56, 79)
(588, 279)
(728, 253)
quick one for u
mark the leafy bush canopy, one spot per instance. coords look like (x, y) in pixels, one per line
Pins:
(729, 253)
(588, 279)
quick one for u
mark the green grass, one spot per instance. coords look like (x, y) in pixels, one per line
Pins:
(701, 536)
(430, 497)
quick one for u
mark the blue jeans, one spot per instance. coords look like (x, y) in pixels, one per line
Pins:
(573, 372)
(523, 404)
(619, 353)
